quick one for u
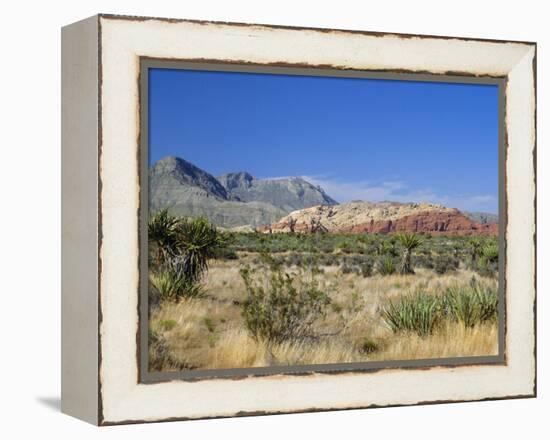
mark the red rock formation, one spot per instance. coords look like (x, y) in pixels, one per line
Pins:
(431, 222)
(447, 222)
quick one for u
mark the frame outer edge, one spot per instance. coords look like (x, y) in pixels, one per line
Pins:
(79, 224)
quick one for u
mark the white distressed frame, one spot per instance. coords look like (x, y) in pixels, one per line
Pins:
(122, 41)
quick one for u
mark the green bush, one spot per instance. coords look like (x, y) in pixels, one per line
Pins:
(280, 306)
(415, 313)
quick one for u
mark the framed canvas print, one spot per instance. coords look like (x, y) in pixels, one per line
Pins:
(262, 219)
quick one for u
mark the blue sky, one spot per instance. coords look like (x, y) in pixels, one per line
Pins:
(362, 139)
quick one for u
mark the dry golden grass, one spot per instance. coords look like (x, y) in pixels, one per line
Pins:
(210, 333)
(453, 340)
(224, 282)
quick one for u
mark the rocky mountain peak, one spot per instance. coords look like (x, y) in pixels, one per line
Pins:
(183, 172)
(240, 179)
(233, 199)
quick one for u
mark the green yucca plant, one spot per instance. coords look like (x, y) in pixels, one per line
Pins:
(183, 248)
(189, 241)
(475, 245)
(487, 263)
(384, 247)
(162, 232)
(417, 313)
(470, 305)
(408, 242)
(169, 282)
(197, 240)
(386, 266)
(490, 253)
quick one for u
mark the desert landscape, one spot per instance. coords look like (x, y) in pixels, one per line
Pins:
(247, 272)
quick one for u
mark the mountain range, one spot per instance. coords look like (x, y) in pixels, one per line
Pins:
(239, 200)
(234, 199)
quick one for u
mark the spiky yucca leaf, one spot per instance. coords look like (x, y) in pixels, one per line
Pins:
(415, 313)
(183, 248)
(475, 245)
(470, 305)
(162, 233)
(490, 253)
(408, 240)
(386, 266)
(197, 241)
(170, 285)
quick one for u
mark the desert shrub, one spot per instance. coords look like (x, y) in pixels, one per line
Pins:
(423, 260)
(225, 253)
(344, 246)
(294, 260)
(328, 259)
(298, 260)
(386, 266)
(414, 313)
(356, 260)
(472, 304)
(347, 268)
(445, 263)
(368, 345)
(367, 268)
(281, 306)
